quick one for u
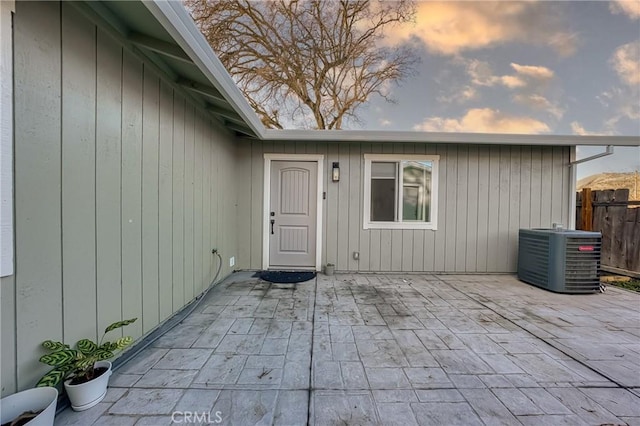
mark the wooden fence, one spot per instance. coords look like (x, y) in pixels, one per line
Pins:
(618, 219)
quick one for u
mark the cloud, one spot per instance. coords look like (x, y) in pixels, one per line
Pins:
(533, 71)
(452, 27)
(484, 120)
(540, 103)
(385, 123)
(461, 96)
(623, 103)
(577, 129)
(525, 75)
(626, 62)
(631, 8)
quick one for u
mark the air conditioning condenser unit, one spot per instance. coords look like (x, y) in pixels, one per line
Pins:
(562, 261)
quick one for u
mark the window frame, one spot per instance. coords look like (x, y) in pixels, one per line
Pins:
(400, 224)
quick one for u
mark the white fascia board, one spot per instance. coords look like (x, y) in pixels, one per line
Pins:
(442, 137)
(6, 138)
(173, 16)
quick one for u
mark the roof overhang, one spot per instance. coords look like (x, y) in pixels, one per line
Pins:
(164, 32)
(446, 137)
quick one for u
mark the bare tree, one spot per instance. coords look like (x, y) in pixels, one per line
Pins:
(301, 60)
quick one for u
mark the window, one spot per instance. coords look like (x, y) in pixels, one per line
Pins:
(400, 191)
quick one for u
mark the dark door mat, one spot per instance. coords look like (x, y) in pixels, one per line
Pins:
(285, 276)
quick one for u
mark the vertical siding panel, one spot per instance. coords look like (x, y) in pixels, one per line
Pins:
(462, 194)
(165, 203)
(189, 208)
(332, 208)
(482, 222)
(514, 208)
(430, 235)
(150, 249)
(322, 149)
(37, 182)
(440, 234)
(472, 208)
(365, 235)
(108, 180)
(417, 252)
(493, 228)
(525, 187)
(536, 186)
(256, 204)
(407, 234)
(451, 211)
(198, 276)
(343, 208)
(546, 188)
(78, 175)
(131, 191)
(375, 235)
(244, 180)
(503, 209)
(207, 246)
(8, 332)
(559, 186)
(386, 248)
(215, 201)
(355, 204)
(396, 234)
(178, 201)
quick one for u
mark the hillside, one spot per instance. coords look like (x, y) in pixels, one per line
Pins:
(600, 181)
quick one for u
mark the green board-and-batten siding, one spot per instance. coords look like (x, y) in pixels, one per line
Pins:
(486, 193)
(122, 188)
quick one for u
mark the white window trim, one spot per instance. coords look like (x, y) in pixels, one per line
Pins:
(7, 9)
(268, 158)
(368, 224)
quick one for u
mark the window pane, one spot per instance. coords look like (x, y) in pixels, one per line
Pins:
(416, 190)
(411, 208)
(383, 200)
(383, 170)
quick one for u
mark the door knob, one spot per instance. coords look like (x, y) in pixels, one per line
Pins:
(272, 223)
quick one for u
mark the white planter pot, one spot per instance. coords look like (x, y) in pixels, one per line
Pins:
(86, 395)
(35, 399)
(329, 269)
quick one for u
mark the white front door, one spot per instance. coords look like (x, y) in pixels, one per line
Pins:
(293, 214)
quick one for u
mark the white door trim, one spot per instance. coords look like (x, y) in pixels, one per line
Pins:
(268, 158)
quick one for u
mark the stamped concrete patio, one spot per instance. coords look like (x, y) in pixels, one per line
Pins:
(386, 349)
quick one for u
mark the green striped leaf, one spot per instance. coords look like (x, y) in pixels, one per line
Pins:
(54, 346)
(52, 378)
(123, 342)
(86, 346)
(56, 359)
(109, 346)
(101, 355)
(119, 324)
(86, 363)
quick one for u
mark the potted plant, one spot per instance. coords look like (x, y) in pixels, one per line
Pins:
(84, 370)
(329, 269)
(35, 407)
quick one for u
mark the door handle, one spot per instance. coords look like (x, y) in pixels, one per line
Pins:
(272, 223)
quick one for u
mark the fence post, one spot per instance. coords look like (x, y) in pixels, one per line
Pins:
(587, 210)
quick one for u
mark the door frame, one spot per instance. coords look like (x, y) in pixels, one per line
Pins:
(268, 158)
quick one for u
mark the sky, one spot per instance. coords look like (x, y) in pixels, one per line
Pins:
(534, 67)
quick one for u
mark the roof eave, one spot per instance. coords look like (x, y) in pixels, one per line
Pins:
(176, 20)
(447, 137)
